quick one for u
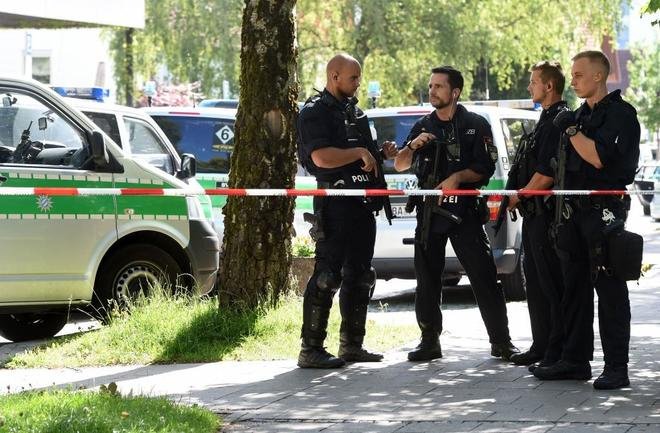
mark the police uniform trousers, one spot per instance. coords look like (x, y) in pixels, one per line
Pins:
(343, 261)
(544, 286)
(473, 250)
(577, 238)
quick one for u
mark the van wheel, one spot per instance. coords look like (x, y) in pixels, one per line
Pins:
(133, 270)
(514, 283)
(31, 326)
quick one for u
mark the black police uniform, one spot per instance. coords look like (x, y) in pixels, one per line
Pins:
(471, 146)
(613, 125)
(541, 265)
(345, 232)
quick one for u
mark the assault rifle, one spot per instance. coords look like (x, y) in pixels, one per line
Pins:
(430, 203)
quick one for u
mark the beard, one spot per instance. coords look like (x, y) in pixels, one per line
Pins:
(440, 104)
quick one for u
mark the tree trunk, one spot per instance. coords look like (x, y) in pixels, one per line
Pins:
(256, 255)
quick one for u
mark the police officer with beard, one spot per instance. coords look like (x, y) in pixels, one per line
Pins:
(335, 145)
(540, 263)
(601, 153)
(458, 146)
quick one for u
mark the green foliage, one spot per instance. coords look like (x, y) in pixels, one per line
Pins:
(644, 90)
(197, 40)
(57, 411)
(178, 329)
(302, 246)
(651, 7)
(397, 42)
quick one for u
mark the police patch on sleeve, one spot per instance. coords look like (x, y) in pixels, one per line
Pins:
(490, 147)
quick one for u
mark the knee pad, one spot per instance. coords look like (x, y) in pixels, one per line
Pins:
(328, 281)
(363, 282)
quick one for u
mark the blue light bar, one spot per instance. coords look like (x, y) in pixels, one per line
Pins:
(94, 93)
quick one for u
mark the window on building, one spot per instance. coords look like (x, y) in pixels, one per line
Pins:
(41, 69)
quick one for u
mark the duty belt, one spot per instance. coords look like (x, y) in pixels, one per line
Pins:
(596, 202)
(323, 184)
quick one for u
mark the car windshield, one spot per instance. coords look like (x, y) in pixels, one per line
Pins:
(211, 140)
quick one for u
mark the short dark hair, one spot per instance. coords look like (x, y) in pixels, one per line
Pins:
(595, 57)
(551, 71)
(455, 76)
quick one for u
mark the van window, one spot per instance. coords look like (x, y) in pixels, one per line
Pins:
(393, 128)
(33, 133)
(513, 129)
(210, 140)
(108, 124)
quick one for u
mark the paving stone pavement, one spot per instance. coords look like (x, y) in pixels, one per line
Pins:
(466, 391)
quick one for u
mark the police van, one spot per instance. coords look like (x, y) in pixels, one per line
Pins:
(59, 252)
(394, 259)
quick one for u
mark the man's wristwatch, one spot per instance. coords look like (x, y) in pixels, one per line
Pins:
(571, 130)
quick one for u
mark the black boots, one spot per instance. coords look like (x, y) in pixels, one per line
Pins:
(504, 350)
(526, 358)
(351, 350)
(613, 377)
(564, 370)
(317, 357)
(428, 348)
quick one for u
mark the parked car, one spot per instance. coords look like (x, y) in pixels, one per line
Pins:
(394, 259)
(66, 251)
(219, 103)
(647, 173)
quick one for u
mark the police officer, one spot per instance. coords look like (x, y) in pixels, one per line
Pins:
(335, 145)
(541, 265)
(602, 149)
(459, 144)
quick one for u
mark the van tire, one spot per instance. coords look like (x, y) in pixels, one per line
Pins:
(31, 326)
(133, 269)
(514, 284)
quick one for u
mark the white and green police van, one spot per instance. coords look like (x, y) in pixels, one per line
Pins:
(60, 252)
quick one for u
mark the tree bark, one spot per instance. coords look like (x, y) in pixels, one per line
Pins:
(256, 258)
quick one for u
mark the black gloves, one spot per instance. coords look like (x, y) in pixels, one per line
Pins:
(564, 119)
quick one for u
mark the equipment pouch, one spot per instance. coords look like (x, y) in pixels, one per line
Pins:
(624, 251)
(483, 213)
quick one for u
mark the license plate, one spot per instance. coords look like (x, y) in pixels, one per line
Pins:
(399, 211)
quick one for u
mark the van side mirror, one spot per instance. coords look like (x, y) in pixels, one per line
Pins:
(99, 151)
(188, 166)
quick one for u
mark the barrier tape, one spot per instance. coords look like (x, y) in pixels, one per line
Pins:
(170, 192)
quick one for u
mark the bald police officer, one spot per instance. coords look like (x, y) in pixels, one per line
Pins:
(335, 145)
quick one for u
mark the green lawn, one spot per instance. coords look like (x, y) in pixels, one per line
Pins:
(61, 411)
(166, 329)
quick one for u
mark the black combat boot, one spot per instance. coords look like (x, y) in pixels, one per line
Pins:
(428, 348)
(503, 350)
(353, 304)
(351, 350)
(564, 370)
(315, 356)
(316, 310)
(526, 358)
(613, 377)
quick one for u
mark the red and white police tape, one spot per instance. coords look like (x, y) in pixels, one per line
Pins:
(169, 192)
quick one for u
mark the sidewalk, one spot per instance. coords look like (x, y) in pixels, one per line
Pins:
(467, 390)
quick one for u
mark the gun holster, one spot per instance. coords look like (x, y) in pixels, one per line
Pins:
(316, 219)
(483, 213)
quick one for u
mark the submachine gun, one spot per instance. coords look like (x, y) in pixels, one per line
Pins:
(357, 127)
(512, 182)
(443, 151)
